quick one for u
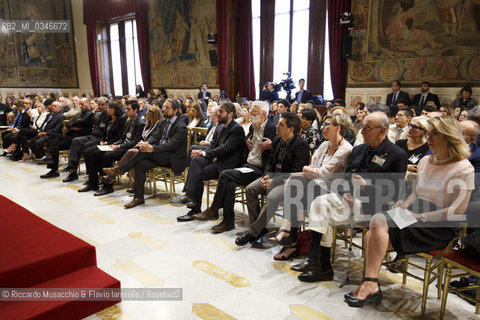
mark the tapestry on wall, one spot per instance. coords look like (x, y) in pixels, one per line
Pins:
(414, 41)
(45, 60)
(179, 52)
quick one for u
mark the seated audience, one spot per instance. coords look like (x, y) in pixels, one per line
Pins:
(433, 203)
(289, 154)
(258, 143)
(308, 133)
(377, 155)
(224, 153)
(244, 120)
(168, 151)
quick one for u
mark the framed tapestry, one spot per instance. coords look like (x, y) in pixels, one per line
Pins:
(414, 41)
(180, 56)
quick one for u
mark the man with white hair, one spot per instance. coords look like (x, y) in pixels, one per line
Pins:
(258, 143)
(376, 169)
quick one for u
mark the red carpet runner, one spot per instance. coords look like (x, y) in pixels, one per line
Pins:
(36, 254)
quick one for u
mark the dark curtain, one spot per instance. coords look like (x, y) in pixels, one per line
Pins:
(92, 58)
(338, 65)
(95, 11)
(143, 43)
(246, 75)
(222, 43)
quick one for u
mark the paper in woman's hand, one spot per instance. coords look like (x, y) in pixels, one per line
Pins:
(402, 217)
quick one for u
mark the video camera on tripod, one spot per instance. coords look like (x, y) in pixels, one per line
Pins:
(286, 84)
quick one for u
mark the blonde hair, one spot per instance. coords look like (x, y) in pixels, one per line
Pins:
(157, 115)
(342, 120)
(449, 127)
(422, 123)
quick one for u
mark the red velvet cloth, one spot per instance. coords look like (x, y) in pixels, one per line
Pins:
(35, 253)
(246, 75)
(338, 65)
(459, 257)
(222, 43)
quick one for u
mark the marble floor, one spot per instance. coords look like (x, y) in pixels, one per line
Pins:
(146, 247)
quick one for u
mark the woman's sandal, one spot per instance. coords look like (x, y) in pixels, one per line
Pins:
(286, 241)
(374, 298)
(293, 254)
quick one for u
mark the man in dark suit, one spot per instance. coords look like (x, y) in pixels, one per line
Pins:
(4, 110)
(171, 150)
(78, 126)
(374, 176)
(51, 126)
(259, 140)
(303, 95)
(79, 144)
(289, 154)
(95, 159)
(419, 100)
(204, 94)
(471, 130)
(224, 153)
(396, 94)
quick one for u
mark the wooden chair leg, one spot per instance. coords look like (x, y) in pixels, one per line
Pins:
(426, 283)
(405, 269)
(172, 184)
(446, 284)
(441, 267)
(243, 200)
(208, 194)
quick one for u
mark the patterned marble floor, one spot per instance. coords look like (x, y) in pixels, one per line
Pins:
(147, 247)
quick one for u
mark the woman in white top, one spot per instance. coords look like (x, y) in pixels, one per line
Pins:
(445, 183)
(244, 120)
(331, 157)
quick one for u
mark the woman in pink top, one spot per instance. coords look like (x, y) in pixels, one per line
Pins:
(445, 182)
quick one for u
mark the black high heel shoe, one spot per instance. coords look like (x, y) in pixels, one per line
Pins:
(294, 253)
(286, 241)
(374, 298)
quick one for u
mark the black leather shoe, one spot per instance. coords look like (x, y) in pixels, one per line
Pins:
(182, 199)
(316, 275)
(71, 177)
(87, 188)
(307, 265)
(186, 217)
(68, 169)
(50, 174)
(191, 204)
(246, 238)
(104, 191)
(131, 190)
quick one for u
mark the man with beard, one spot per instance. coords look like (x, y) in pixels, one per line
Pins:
(225, 152)
(171, 150)
(421, 99)
(258, 143)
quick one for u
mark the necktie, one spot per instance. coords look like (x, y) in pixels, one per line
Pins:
(399, 133)
(394, 100)
(422, 101)
(165, 132)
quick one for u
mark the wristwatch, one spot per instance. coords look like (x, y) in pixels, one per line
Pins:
(423, 217)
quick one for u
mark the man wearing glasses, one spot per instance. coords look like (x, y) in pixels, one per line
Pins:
(399, 130)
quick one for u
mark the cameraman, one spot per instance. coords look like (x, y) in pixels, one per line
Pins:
(303, 95)
(269, 93)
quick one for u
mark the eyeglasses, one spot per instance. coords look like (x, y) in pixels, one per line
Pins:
(431, 134)
(414, 127)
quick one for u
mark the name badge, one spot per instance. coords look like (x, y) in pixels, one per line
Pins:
(1, 112)
(413, 159)
(102, 125)
(128, 136)
(378, 160)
